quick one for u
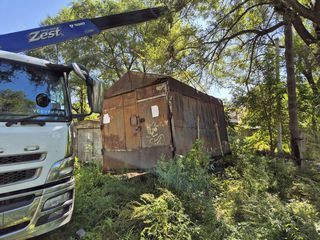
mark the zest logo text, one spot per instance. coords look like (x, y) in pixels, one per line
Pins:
(44, 34)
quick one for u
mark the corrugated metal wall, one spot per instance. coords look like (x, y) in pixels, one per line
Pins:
(192, 119)
(135, 128)
(87, 141)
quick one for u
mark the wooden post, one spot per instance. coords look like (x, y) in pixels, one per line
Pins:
(219, 139)
(198, 127)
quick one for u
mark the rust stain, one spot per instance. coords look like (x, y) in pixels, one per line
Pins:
(114, 142)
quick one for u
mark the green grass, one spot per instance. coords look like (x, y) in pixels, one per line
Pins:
(253, 197)
(100, 203)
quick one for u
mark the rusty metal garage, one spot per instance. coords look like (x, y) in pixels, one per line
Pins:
(147, 116)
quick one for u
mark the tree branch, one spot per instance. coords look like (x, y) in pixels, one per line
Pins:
(303, 11)
(256, 31)
(230, 12)
(239, 18)
(307, 72)
(251, 61)
(302, 31)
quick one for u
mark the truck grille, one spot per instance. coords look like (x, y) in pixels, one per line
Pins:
(16, 176)
(14, 228)
(21, 158)
(13, 203)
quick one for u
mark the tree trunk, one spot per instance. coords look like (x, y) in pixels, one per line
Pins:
(271, 138)
(315, 90)
(292, 95)
(279, 100)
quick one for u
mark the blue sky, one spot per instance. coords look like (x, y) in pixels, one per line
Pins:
(222, 93)
(18, 15)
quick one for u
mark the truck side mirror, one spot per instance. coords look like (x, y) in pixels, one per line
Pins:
(83, 73)
(94, 89)
(97, 95)
(80, 70)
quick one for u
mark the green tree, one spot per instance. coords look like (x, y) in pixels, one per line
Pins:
(238, 33)
(163, 46)
(168, 46)
(262, 102)
(308, 72)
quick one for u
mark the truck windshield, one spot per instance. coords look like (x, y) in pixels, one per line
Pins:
(27, 90)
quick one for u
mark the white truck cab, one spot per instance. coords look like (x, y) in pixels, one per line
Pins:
(36, 158)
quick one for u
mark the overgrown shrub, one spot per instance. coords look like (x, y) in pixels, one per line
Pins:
(253, 197)
(163, 217)
(100, 200)
(186, 174)
(256, 200)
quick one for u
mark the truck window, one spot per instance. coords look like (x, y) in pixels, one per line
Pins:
(21, 83)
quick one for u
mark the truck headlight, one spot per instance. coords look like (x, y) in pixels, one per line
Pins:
(61, 169)
(57, 201)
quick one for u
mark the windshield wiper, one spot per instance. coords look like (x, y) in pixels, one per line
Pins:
(41, 123)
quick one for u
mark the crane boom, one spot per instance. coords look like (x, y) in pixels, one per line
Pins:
(53, 34)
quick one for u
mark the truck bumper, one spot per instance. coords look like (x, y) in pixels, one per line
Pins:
(22, 215)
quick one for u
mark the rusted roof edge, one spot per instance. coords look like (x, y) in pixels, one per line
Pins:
(174, 84)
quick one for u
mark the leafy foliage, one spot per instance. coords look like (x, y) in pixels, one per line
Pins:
(163, 217)
(161, 46)
(100, 200)
(253, 197)
(256, 201)
(207, 42)
(186, 174)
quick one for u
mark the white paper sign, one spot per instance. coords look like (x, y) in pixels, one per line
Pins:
(155, 111)
(106, 118)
